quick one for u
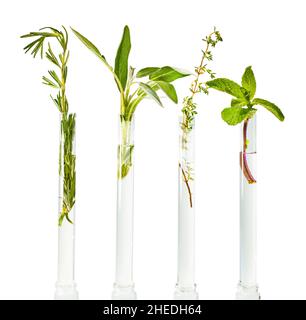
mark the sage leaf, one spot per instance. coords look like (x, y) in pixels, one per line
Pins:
(89, 45)
(150, 92)
(168, 89)
(270, 107)
(146, 71)
(248, 81)
(235, 115)
(228, 86)
(167, 74)
(121, 61)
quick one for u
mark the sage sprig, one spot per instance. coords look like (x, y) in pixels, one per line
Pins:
(134, 87)
(242, 108)
(57, 80)
(126, 79)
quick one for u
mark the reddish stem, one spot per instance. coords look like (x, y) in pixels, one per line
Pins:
(187, 185)
(243, 155)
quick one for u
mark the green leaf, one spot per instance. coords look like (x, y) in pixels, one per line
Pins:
(30, 45)
(168, 89)
(51, 56)
(55, 31)
(238, 103)
(89, 45)
(271, 107)
(150, 92)
(235, 115)
(49, 82)
(38, 47)
(55, 77)
(57, 104)
(167, 74)
(146, 71)
(228, 86)
(248, 81)
(122, 57)
(39, 34)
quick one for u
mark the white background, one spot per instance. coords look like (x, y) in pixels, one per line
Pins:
(269, 35)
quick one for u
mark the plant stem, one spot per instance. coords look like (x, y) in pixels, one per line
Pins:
(243, 156)
(195, 85)
(187, 184)
(67, 165)
(125, 148)
(196, 82)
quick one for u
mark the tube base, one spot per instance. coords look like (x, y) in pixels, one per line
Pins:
(66, 292)
(183, 293)
(123, 293)
(247, 293)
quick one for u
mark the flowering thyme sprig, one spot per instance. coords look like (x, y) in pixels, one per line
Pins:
(189, 109)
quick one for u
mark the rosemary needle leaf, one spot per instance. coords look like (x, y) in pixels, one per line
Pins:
(30, 45)
(51, 56)
(55, 77)
(50, 83)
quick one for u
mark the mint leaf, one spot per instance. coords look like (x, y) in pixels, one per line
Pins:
(146, 71)
(238, 103)
(89, 45)
(270, 107)
(168, 89)
(248, 81)
(167, 74)
(150, 92)
(228, 86)
(235, 115)
(122, 56)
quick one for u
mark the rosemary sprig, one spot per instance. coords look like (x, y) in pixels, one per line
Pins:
(57, 80)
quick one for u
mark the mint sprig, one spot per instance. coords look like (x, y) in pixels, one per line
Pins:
(242, 109)
(242, 105)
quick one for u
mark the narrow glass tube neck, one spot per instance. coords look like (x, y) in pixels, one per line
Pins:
(126, 131)
(125, 147)
(186, 136)
(67, 168)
